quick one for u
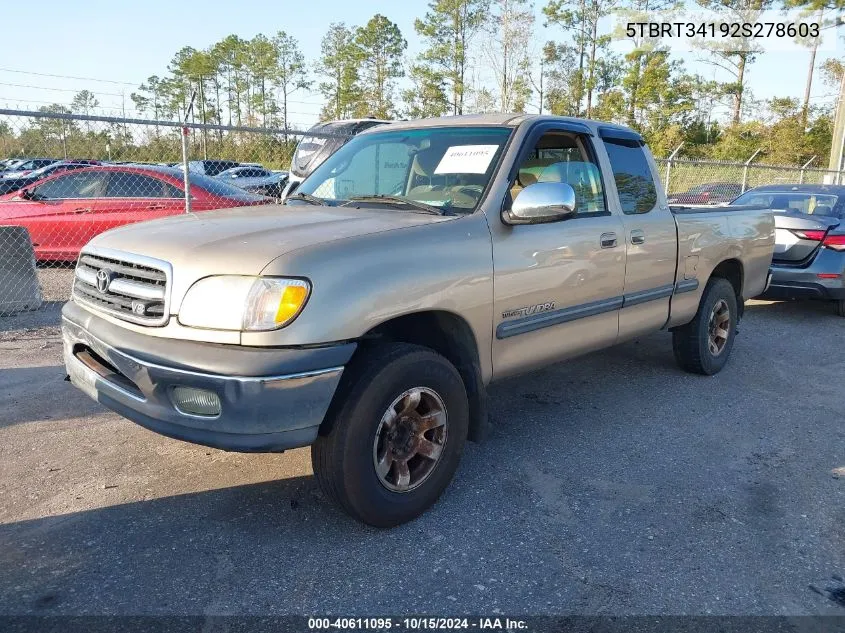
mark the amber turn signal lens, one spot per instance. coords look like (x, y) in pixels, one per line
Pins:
(292, 299)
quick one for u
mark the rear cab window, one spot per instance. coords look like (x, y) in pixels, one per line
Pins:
(632, 175)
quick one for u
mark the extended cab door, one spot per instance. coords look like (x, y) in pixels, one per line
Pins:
(557, 286)
(650, 234)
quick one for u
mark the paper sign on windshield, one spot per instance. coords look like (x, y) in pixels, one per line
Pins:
(466, 159)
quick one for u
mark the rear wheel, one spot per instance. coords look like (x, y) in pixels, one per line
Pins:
(704, 345)
(396, 435)
(840, 307)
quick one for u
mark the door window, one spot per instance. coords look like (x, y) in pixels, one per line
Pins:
(559, 157)
(84, 184)
(131, 185)
(632, 174)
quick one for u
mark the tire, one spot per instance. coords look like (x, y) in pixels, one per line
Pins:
(692, 342)
(345, 458)
(840, 307)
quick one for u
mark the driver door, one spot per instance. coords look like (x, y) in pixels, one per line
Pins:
(558, 286)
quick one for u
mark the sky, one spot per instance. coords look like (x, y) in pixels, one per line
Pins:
(57, 48)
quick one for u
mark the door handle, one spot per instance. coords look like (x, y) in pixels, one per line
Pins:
(82, 210)
(637, 237)
(154, 207)
(608, 240)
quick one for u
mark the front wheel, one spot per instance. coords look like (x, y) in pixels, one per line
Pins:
(395, 436)
(703, 345)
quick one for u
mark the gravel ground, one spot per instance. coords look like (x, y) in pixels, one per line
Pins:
(611, 484)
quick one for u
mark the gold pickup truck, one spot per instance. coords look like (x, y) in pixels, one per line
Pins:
(421, 262)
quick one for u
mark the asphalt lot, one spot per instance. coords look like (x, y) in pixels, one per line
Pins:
(612, 484)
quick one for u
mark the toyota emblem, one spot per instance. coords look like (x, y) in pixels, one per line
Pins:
(104, 277)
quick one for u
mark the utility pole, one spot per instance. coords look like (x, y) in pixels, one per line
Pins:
(837, 145)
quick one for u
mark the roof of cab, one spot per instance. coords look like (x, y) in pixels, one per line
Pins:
(501, 119)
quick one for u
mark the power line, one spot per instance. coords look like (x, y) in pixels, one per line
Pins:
(112, 109)
(111, 81)
(126, 108)
(122, 112)
(110, 94)
(29, 72)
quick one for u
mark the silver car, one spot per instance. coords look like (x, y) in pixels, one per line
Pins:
(809, 257)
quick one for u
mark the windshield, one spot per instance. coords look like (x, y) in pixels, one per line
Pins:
(799, 202)
(447, 167)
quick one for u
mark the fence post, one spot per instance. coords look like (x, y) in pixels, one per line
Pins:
(745, 170)
(185, 136)
(803, 167)
(186, 181)
(669, 168)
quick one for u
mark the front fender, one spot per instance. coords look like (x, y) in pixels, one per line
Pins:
(363, 281)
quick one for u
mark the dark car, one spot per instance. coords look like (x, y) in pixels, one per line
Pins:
(320, 142)
(211, 167)
(256, 180)
(809, 257)
(8, 185)
(709, 193)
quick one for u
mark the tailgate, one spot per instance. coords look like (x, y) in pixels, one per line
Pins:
(798, 236)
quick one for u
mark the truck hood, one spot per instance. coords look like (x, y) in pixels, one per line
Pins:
(243, 241)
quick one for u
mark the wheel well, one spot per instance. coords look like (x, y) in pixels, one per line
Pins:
(450, 336)
(731, 269)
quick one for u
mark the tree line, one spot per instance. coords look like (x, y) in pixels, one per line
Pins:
(482, 56)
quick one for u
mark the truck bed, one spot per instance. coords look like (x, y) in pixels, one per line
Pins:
(709, 236)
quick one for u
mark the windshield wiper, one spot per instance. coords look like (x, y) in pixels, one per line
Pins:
(307, 197)
(422, 206)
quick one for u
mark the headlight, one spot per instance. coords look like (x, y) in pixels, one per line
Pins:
(243, 303)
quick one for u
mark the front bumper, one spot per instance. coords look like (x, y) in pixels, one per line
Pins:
(134, 376)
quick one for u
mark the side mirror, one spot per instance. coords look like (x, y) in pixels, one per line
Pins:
(26, 194)
(540, 203)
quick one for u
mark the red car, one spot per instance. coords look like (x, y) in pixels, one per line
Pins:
(710, 193)
(64, 211)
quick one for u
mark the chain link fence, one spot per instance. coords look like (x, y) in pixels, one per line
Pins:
(715, 182)
(68, 177)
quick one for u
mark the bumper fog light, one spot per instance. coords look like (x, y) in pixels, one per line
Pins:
(195, 401)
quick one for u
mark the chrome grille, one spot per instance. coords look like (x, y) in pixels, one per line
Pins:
(129, 290)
